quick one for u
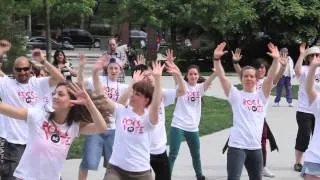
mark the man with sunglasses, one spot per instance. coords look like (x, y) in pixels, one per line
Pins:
(21, 91)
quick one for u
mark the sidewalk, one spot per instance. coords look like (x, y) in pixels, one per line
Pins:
(281, 121)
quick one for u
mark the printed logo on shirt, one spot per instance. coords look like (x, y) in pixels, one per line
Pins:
(193, 96)
(254, 105)
(132, 126)
(53, 134)
(111, 92)
(28, 96)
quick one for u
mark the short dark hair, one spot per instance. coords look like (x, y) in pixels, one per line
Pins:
(260, 62)
(140, 67)
(145, 88)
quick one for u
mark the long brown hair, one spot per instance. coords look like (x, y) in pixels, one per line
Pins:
(77, 113)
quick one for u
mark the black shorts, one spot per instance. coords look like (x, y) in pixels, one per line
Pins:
(10, 155)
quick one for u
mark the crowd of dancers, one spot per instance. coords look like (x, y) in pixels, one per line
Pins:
(46, 106)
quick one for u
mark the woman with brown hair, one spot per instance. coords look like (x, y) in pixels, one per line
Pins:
(51, 134)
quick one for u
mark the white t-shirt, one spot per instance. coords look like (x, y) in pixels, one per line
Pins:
(186, 115)
(249, 110)
(259, 83)
(313, 152)
(113, 90)
(303, 100)
(131, 148)
(21, 95)
(158, 134)
(47, 148)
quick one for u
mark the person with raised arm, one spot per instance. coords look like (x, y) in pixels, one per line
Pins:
(22, 91)
(97, 145)
(304, 116)
(52, 133)
(311, 165)
(186, 119)
(249, 107)
(261, 69)
(134, 124)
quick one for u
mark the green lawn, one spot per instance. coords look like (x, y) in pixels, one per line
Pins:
(216, 115)
(295, 89)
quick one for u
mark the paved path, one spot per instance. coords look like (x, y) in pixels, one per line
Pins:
(281, 121)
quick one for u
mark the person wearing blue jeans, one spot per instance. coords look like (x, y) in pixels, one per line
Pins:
(285, 80)
(186, 119)
(101, 144)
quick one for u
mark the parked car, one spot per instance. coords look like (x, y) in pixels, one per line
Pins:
(40, 42)
(138, 34)
(78, 37)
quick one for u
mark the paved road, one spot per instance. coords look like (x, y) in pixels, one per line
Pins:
(281, 120)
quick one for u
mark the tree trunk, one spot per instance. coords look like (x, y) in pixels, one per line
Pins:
(151, 44)
(174, 36)
(48, 32)
(82, 21)
(124, 33)
(29, 30)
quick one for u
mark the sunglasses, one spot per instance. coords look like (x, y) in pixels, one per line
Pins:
(22, 69)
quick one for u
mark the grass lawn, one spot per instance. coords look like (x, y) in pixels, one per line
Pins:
(295, 89)
(216, 115)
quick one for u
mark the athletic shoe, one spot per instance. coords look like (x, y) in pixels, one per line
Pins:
(276, 104)
(267, 172)
(297, 167)
(290, 105)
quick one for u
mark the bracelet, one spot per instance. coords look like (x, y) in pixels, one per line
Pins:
(235, 62)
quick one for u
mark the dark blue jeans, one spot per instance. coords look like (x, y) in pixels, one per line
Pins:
(251, 159)
(286, 82)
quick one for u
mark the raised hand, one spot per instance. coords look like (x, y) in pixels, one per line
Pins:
(303, 47)
(4, 46)
(274, 51)
(219, 51)
(83, 60)
(82, 97)
(100, 63)
(38, 55)
(157, 68)
(169, 55)
(138, 76)
(283, 59)
(140, 60)
(236, 56)
(172, 68)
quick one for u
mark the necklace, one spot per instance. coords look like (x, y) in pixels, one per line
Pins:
(110, 93)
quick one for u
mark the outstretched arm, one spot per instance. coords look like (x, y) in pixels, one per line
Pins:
(13, 112)
(82, 98)
(101, 62)
(82, 63)
(268, 82)
(218, 53)
(208, 82)
(55, 74)
(283, 65)
(299, 62)
(311, 91)
(177, 76)
(157, 94)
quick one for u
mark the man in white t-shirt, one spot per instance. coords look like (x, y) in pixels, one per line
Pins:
(22, 91)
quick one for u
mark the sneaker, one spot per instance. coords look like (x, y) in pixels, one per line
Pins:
(290, 105)
(276, 104)
(201, 178)
(297, 167)
(267, 172)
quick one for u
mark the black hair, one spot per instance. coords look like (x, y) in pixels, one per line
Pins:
(260, 62)
(55, 57)
(140, 67)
